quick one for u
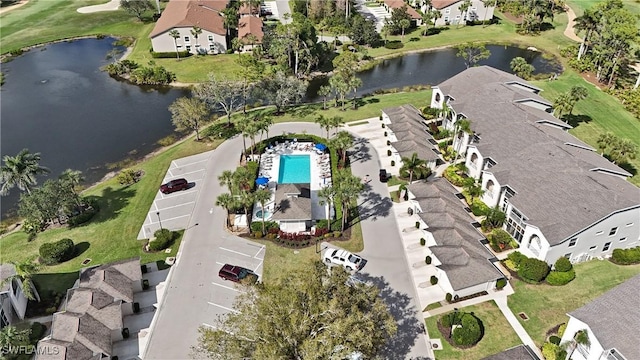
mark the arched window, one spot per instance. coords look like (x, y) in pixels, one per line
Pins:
(534, 244)
(490, 183)
(438, 97)
(474, 159)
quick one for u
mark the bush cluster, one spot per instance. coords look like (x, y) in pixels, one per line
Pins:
(169, 55)
(164, 238)
(394, 44)
(533, 270)
(552, 351)
(220, 131)
(430, 113)
(129, 176)
(558, 278)
(434, 279)
(478, 208)
(451, 175)
(517, 258)
(501, 283)
(499, 239)
(83, 217)
(626, 256)
(324, 224)
(57, 252)
(469, 330)
(269, 227)
(562, 264)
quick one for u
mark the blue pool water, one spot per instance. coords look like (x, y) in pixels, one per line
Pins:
(294, 169)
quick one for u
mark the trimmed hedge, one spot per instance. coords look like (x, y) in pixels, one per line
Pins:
(558, 278)
(562, 265)
(256, 226)
(501, 283)
(164, 238)
(434, 280)
(517, 258)
(169, 55)
(471, 331)
(82, 217)
(533, 270)
(395, 44)
(554, 339)
(57, 252)
(626, 256)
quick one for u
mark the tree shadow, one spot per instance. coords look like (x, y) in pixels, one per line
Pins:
(111, 203)
(374, 205)
(303, 110)
(51, 288)
(81, 247)
(361, 152)
(546, 26)
(403, 310)
(575, 120)
(629, 168)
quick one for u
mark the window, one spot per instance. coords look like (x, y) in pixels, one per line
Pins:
(613, 231)
(210, 38)
(474, 160)
(437, 97)
(446, 19)
(573, 242)
(457, 17)
(623, 239)
(179, 46)
(606, 246)
(186, 39)
(188, 47)
(593, 247)
(447, 11)
(212, 47)
(629, 224)
(600, 233)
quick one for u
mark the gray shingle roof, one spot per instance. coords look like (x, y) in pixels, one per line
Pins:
(292, 207)
(114, 279)
(557, 189)
(464, 259)
(520, 352)
(614, 318)
(68, 328)
(98, 304)
(408, 126)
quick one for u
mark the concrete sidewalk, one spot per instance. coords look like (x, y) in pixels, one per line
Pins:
(110, 6)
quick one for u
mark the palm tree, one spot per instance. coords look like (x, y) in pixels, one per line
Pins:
(462, 126)
(473, 188)
(252, 130)
(196, 31)
(264, 124)
(386, 30)
(581, 337)
(230, 18)
(262, 197)
(342, 141)
(487, 4)
(175, 34)
(521, 67)
(324, 91)
(324, 122)
(71, 179)
(414, 165)
(577, 93)
(226, 178)
(623, 150)
(24, 272)
(605, 140)
(327, 193)
(246, 199)
(464, 7)
(348, 189)
(355, 83)
(404, 24)
(242, 178)
(562, 105)
(227, 201)
(588, 22)
(20, 171)
(243, 126)
(335, 123)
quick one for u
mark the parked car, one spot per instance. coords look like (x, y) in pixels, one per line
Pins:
(384, 176)
(349, 261)
(174, 185)
(237, 274)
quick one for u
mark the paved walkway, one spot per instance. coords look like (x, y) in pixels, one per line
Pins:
(110, 6)
(569, 31)
(13, 7)
(501, 301)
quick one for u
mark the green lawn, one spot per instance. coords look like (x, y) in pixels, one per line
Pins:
(547, 306)
(111, 235)
(595, 115)
(498, 334)
(579, 6)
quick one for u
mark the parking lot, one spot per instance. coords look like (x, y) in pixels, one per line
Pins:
(222, 293)
(172, 211)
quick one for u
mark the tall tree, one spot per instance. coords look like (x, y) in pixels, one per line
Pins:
(605, 140)
(562, 105)
(283, 90)
(20, 171)
(348, 188)
(324, 91)
(229, 19)
(472, 53)
(189, 113)
(342, 142)
(487, 4)
(251, 71)
(25, 270)
(521, 67)
(328, 193)
(71, 179)
(324, 122)
(587, 22)
(326, 318)
(195, 32)
(335, 122)
(462, 126)
(246, 200)
(397, 15)
(136, 7)
(464, 8)
(221, 94)
(262, 197)
(414, 165)
(404, 24)
(623, 150)
(576, 94)
(228, 202)
(175, 34)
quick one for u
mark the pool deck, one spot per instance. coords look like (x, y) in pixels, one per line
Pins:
(320, 167)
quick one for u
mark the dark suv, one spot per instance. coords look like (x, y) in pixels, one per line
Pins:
(237, 274)
(383, 175)
(174, 185)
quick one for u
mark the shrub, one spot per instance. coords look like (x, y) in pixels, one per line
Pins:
(552, 351)
(471, 331)
(128, 177)
(510, 265)
(562, 264)
(83, 217)
(388, 142)
(145, 284)
(322, 224)
(499, 239)
(533, 270)
(385, 133)
(561, 329)
(57, 252)
(136, 307)
(494, 218)
(220, 131)
(50, 310)
(417, 224)
(434, 280)
(393, 163)
(626, 256)
(517, 258)
(423, 241)
(337, 234)
(554, 339)
(383, 125)
(163, 239)
(256, 226)
(558, 278)
(501, 283)
(125, 333)
(395, 44)
(169, 55)
(478, 208)
(427, 260)
(448, 297)
(388, 152)
(37, 331)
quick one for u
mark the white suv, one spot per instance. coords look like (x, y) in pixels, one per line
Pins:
(350, 261)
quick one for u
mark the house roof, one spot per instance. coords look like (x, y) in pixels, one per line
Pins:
(188, 13)
(250, 25)
(614, 318)
(520, 352)
(61, 350)
(76, 332)
(408, 126)
(293, 202)
(441, 4)
(464, 259)
(114, 279)
(6, 271)
(553, 173)
(96, 303)
(397, 4)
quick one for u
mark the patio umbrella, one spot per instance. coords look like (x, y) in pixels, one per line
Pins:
(321, 147)
(262, 181)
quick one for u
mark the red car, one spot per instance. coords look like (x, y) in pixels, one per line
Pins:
(174, 185)
(237, 274)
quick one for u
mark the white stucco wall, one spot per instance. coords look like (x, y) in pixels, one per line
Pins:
(476, 12)
(474, 171)
(164, 42)
(594, 351)
(491, 198)
(528, 244)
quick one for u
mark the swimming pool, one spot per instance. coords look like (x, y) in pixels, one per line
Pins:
(294, 169)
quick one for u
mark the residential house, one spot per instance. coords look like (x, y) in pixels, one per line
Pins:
(293, 207)
(250, 32)
(183, 15)
(12, 300)
(92, 320)
(612, 325)
(520, 352)
(465, 266)
(560, 196)
(390, 5)
(406, 129)
(451, 14)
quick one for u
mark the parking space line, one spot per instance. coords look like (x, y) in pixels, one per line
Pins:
(236, 252)
(195, 162)
(177, 217)
(174, 206)
(226, 287)
(223, 307)
(179, 193)
(191, 172)
(259, 251)
(169, 172)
